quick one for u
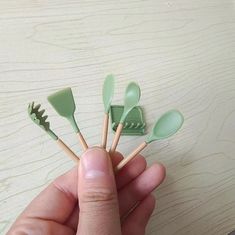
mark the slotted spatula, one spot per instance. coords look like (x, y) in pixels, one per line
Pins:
(63, 103)
(37, 117)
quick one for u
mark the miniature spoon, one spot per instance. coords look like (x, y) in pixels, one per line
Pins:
(167, 125)
(132, 97)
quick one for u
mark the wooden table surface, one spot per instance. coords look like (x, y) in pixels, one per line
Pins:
(182, 54)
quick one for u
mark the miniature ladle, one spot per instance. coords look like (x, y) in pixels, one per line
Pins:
(167, 125)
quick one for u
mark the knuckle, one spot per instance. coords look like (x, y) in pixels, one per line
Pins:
(20, 230)
(31, 226)
(98, 195)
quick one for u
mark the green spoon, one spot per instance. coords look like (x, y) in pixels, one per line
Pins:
(37, 117)
(63, 102)
(167, 125)
(132, 97)
(108, 90)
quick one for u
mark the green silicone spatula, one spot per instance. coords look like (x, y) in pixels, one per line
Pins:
(63, 102)
(108, 90)
(132, 97)
(167, 125)
(40, 120)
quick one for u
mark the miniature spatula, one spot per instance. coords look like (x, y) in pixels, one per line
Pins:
(132, 97)
(167, 125)
(108, 90)
(38, 118)
(63, 103)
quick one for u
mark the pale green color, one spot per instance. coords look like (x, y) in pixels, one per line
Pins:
(132, 97)
(167, 125)
(108, 90)
(38, 118)
(134, 123)
(63, 103)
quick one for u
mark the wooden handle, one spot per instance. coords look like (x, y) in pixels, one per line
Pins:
(82, 141)
(68, 151)
(116, 138)
(105, 131)
(130, 156)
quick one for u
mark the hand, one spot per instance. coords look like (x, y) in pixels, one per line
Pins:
(87, 200)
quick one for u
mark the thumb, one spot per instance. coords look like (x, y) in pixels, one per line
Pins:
(97, 194)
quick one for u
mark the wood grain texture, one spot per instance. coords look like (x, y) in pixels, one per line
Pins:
(182, 55)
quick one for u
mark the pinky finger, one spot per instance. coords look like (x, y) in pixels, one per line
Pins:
(137, 220)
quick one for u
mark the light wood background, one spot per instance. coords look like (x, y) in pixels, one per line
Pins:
(181, 52)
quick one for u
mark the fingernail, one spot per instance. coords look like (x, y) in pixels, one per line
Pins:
(95, 163)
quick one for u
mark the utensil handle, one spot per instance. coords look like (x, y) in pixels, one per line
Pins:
(116, 138)
(105, 131)
(130, 156)
(82, 141)
(67, 150)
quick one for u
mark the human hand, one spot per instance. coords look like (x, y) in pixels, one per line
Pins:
(88, 200)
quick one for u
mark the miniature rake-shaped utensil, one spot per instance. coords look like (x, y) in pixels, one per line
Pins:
(108, 90)
(38, 118)
(167, 125)
(63, 102)
(132, 97)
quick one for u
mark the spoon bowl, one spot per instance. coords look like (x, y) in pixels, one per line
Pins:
(132, 97)
(167, 125)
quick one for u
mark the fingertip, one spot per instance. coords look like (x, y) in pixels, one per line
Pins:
(159, 171)
(142, 161)
(118, 154)
(139, 158)
(94, 150)
(162, 170)
(116, 158)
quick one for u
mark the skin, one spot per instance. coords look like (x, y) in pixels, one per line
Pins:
(94, 201)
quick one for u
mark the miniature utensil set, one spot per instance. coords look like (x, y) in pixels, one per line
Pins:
(63, 102)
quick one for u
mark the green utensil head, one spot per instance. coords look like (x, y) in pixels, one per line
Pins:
(167, 125)
(63, 102)
(132, 97)
(37, 117)
(108, 90)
